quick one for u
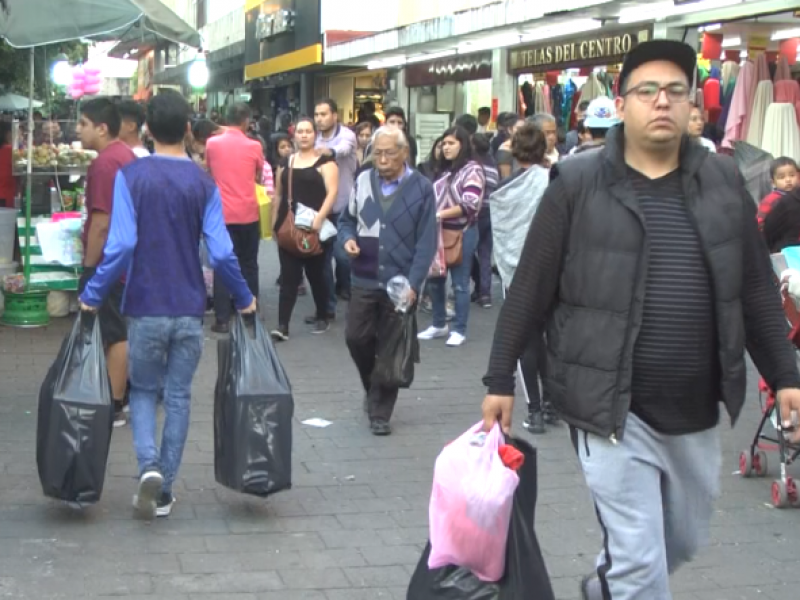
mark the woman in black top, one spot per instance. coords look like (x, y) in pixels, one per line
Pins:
(315, 181)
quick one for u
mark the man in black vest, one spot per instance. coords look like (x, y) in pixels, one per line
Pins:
(645, 268)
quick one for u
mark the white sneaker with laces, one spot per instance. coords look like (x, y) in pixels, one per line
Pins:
(432, 333)
(455, 339)
(145, 499)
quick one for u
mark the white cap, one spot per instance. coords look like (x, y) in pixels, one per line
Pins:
(601, 114)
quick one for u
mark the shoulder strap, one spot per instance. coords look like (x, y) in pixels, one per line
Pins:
(289, 184)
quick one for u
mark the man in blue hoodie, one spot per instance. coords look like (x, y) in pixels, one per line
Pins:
(163, 206)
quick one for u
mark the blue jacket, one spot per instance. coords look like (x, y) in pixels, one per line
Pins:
(401, 242)
(162, 208)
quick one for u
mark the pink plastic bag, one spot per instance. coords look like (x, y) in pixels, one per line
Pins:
(439, 265)
(471, 501)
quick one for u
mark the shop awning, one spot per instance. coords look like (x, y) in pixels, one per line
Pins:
(29, 23)
(291, 61)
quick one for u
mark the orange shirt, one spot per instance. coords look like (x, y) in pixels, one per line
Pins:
(233, 160)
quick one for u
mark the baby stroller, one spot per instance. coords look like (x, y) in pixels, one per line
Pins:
(753, 461)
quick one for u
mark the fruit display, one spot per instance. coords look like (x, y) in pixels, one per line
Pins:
(52, 157)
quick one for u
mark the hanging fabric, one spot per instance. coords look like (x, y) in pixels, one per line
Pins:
(789, 92)
(783, 72)
(557, 100)
(781, 133)
(711, 93)
(548, 106)
(738, 115)
(730, 71)
(762, 101)
(570, 89)
(592, 89)
(762, 68)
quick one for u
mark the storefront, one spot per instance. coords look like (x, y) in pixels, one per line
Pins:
(555, 77)
(283, 50)
(353, 88)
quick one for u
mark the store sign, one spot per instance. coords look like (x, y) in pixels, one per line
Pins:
(268, 25)
(599, 49)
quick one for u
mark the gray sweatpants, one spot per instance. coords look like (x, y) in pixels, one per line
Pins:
(654, 495)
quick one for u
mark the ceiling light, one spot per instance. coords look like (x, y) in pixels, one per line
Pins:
(743, 54)
(712, 27)
(785, 34)
(490, 43)
(432, 56)
(551, 31)
(386, 63)
(662, 10)
(731, 42)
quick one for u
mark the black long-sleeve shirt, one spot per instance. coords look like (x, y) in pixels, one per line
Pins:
(534, 292)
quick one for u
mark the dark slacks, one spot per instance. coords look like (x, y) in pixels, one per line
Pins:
(370, 318)
(292, 268)
(482, 262)
(533, 366)
(245, 239)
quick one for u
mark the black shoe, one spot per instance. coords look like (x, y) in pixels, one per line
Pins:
(320, 326)
(590, 588)
(312, 319)
(474, 297)
(380, 427)
(485, 302)
(221, 327)
(164, 504)
(344, 295)
(535, 422)
(120, 418)
(550, 415)
(280, 333)
(301, 291)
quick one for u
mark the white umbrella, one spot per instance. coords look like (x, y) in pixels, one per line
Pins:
(13, 102)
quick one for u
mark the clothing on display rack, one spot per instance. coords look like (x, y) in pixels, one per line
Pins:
(762, 68)
(738, 119)
(783, 72)
(730, 71)
(781, 133)
(711, 93)
(789, 92)
(761, 102)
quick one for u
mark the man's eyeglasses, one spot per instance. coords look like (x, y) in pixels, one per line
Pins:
(650, 90)
(385, 154)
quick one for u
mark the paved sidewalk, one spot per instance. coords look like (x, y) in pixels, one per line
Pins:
(354, 524)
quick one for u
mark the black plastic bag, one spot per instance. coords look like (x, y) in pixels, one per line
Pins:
(398, 352)
(526, 576)
(75, 419)
(253, 411)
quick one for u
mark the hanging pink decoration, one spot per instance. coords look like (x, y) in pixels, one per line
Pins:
(86, 81)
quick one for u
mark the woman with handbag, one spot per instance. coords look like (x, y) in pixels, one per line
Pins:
(459, 194)
(308, 179)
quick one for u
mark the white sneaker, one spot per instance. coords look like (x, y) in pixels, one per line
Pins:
(432, 333)
(455, 339)
(148, 493)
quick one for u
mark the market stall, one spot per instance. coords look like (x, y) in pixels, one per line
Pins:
(31, 23)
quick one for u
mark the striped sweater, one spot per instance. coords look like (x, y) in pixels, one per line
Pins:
(464, 188)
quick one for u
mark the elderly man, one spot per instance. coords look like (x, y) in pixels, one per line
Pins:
(388, 229)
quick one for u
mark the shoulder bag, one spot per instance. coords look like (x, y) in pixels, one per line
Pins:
(300, 242)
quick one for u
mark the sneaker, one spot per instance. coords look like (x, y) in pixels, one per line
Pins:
(164, 505)
(534, 423)
(455, 340)
(120, 419)
(550, 415)
(312, 319)
(432, 333)
(485, 302)
(280, 333)
(149, 490)
(320, 326)
(380, 428)
(221, 328)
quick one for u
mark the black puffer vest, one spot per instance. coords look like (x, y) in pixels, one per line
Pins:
(593, 329)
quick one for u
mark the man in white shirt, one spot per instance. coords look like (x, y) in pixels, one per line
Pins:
(130, 133)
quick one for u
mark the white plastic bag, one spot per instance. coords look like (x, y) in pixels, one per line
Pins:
(399, 290)
(304, 219)
(471, 503)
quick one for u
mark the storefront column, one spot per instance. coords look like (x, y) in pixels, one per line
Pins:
(307, 94)
(503, 89)
(400, 91)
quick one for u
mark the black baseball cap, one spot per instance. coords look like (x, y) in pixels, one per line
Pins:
(678, 53)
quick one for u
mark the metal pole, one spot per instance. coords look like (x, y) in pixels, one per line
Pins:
(27, 254)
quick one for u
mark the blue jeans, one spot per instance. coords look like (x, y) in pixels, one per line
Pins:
(335, 252)
(162, 349)
(460, 278)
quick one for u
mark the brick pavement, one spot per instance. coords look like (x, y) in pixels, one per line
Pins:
(354, 524)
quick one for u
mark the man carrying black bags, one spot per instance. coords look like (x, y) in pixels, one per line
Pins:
(388, 229)
(163, 206)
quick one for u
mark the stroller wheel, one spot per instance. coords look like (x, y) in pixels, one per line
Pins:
(760, 464)
(780, 495)
(745, 463)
